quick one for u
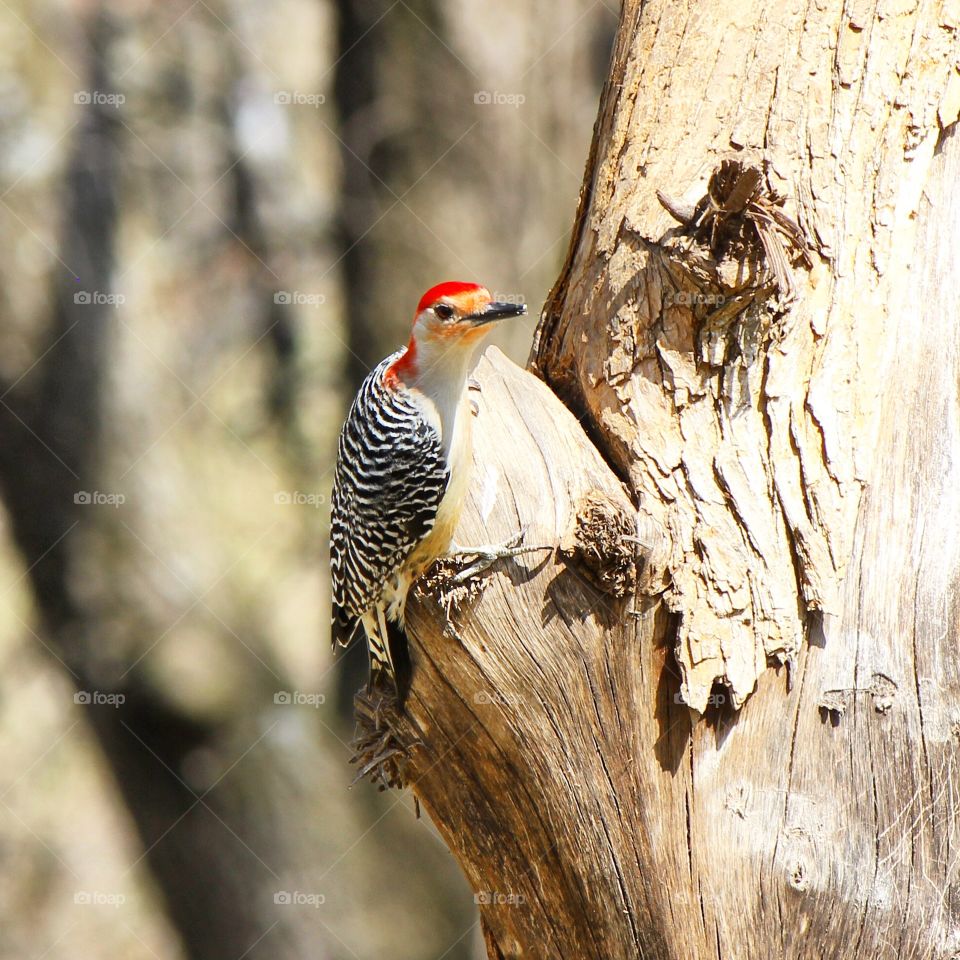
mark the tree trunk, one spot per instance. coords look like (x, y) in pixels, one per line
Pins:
(720, 720)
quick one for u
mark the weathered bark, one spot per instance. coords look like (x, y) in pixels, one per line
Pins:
(792, 464)
(527, 698)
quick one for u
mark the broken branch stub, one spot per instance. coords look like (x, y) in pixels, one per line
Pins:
(534, 470)
(530, 684)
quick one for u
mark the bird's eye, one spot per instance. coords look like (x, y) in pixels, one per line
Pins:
(443, 310)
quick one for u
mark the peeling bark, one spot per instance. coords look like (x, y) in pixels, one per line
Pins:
(788, 458)
(746, 425)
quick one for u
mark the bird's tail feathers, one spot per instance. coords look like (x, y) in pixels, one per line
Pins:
(389, 653)
(342, 628)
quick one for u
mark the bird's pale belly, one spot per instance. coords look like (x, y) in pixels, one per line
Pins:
(436, 543)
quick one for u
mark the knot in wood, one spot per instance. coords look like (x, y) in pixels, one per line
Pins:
(744, 227)
(602, 542)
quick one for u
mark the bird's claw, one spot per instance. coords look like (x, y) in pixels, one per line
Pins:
(485, 555)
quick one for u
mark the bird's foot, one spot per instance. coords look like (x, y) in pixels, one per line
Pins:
(485, 555)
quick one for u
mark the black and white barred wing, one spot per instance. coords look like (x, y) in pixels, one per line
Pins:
(391, 476)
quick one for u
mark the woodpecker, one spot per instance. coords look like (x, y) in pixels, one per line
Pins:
(403, 468)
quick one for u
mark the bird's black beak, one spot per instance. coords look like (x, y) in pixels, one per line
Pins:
(496, 310)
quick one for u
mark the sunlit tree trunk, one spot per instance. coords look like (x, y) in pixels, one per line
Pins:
(721, 720)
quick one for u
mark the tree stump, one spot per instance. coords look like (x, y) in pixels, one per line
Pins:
(720, 718)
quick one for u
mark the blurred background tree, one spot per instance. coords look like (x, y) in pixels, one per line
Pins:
(217, 217)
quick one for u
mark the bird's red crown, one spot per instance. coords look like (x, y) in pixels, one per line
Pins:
(450, 288)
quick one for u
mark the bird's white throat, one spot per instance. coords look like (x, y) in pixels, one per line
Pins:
(439, 386)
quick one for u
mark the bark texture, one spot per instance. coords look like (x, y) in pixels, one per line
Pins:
(525, 692)
(788, 462)
(748, 430)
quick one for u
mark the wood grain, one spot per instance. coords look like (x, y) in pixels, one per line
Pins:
(794, 465)
(526, 695)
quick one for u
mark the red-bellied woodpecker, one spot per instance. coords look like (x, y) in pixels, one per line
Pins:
(403, 468)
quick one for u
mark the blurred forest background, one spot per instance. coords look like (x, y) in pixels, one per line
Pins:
(216, 217)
